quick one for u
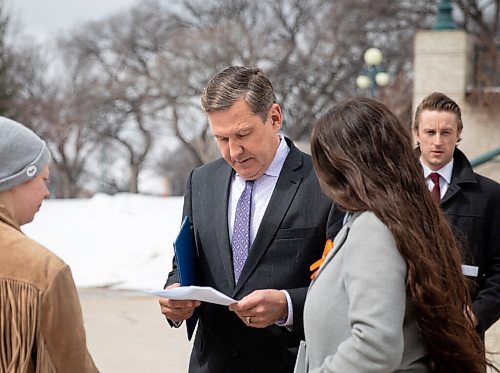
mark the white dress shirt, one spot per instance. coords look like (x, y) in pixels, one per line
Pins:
(261, 195)
(444, 176)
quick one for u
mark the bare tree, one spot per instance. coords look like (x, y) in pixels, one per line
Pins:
(149, 65)
(481, 18)
(59, 116)
(9, 87)
(132, 80)
(119, 56)
(57, 108)
(312, 50)
(140, 73)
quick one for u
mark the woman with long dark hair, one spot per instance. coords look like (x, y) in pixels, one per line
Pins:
(390, 295)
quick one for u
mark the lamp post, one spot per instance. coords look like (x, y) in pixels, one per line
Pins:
(444, 20)
(372, 75)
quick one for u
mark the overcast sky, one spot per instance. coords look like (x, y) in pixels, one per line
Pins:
(43, 19)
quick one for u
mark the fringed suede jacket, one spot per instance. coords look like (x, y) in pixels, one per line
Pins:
(41, 323)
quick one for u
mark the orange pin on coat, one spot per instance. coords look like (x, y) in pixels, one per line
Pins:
(315, 266)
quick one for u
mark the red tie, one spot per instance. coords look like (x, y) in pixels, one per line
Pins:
(436, 192)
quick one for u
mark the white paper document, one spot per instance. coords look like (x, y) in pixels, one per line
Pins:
(469, 270)
(201, 293)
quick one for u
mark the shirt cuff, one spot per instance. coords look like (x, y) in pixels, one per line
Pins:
(288, 320)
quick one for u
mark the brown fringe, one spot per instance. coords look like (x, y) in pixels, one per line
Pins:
(20, 329)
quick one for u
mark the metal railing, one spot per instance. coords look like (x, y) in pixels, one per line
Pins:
(486, 157)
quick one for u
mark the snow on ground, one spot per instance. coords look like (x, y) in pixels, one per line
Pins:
(123, 241)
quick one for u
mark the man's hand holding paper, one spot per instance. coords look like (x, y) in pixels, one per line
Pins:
(177, 310)
(261, 308)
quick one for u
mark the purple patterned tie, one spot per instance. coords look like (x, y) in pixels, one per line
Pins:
(241, 230)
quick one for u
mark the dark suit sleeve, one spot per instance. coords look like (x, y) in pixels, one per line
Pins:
(486, 306)
(335, 222)
(298, 296)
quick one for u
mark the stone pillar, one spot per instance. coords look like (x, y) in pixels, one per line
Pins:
(442, 64)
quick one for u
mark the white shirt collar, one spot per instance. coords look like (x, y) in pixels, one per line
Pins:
(276, 165)
(445, 172)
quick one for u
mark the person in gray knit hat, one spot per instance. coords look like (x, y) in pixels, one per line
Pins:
(22, 154)
(41, 321)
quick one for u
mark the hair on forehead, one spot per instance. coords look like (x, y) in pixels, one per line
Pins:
(438, 101)
(236, 82)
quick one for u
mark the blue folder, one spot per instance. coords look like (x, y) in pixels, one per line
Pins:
(185, 255)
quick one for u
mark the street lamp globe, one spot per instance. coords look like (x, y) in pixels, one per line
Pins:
(373, 56)
(382, 79)
(363, 82)
(373, 75)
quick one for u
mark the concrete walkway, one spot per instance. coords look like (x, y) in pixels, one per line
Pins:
(126, 333)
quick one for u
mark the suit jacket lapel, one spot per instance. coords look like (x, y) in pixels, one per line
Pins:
(286, 187)
(452, 190)
(219, 204)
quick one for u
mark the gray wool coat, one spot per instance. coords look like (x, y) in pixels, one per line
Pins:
(357, 317)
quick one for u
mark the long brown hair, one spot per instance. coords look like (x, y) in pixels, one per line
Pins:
(365, 162)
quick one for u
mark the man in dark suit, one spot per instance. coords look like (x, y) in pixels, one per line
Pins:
(259, 255)
(470, 201)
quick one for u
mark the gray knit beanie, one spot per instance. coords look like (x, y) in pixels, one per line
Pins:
(22, 154)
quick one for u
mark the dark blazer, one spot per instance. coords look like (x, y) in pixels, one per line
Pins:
(291, 237)
(472, 205)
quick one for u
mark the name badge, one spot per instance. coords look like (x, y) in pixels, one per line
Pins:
(470, 271)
